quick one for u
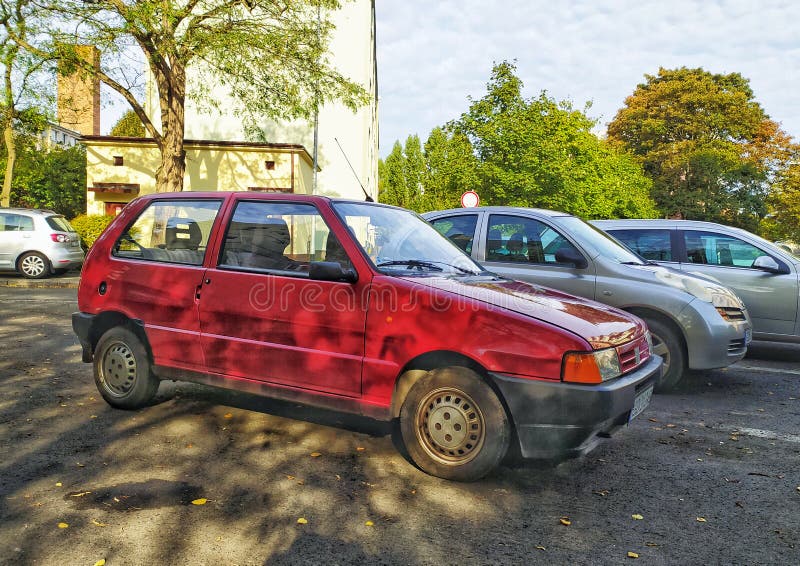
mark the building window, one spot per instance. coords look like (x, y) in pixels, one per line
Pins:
(270, 165)
(118, 160)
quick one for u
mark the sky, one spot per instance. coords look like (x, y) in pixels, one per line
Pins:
(432, 55)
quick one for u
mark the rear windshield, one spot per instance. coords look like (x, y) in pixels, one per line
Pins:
(59, 223)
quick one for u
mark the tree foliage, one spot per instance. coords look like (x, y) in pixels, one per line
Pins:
(522, 151)
(53, 178)
(709, 147)
(271, 57)
(129, 125)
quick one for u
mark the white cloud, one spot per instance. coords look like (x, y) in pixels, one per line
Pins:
(431, 56)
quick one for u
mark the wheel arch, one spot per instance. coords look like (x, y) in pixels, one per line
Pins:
(645, 312)
(105, 321)
(422, 364)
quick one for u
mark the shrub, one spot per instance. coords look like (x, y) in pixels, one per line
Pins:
(89, 227)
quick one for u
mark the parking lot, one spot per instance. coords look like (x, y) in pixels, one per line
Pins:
(709, 474)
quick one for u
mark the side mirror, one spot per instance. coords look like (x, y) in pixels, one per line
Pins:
(331, 271)
(568, 254)
(768, 264)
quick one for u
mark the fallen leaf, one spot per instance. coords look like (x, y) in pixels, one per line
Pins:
(201, 501)
(360, 448)
(58, 484)
(632, 555)
(80, 465)
(81, 494)
(101, 562)
(63, 525)
(637, 517)
(540, 547)
(701, 520)
(369, 524)
(798, 488)
(601, 492)
(97, 523)
(189, 445)
(671, 425)
(301, 521)
(228, 415)
(653, 420)
(92, 416)
(315, 454)
(651, 544)
(565, 521)
(739, 504)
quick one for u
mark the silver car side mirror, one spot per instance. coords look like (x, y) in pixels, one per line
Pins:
(767, 263)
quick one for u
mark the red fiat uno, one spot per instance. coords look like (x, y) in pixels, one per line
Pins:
(358, 307)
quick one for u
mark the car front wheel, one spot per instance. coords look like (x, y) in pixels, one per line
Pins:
(454, 426)
(122, 370)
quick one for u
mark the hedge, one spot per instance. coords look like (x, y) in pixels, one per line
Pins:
(89, 227)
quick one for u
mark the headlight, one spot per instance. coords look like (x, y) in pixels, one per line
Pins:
(590, 367)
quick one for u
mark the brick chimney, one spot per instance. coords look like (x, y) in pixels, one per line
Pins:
(79, 96)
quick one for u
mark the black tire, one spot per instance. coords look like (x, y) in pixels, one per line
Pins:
(122, 370)
(33, 265)
(668, 344)
(454, 426)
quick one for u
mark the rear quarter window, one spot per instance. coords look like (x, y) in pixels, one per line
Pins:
(651, 244)
(59, 223)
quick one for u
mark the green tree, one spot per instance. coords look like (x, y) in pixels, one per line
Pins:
(392, 188)
(270, 56)
(414, 169)
(52, 178)
(708, 146)
(451, 168)
(540, 152)
(23, 93)
(129, 125)
(783, 219)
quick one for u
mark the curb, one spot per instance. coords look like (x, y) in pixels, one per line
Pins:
(60, 283)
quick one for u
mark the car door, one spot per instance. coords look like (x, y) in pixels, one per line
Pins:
(771, 298)
(263, 318)
(525, 248)
(155, 270)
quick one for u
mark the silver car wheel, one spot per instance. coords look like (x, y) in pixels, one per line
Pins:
(33, 265)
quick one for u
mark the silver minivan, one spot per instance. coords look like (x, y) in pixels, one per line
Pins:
(37, 243)
(695, 323)
(764, 275)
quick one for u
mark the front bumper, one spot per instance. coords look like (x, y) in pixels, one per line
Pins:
(711, 341)
(557, 420)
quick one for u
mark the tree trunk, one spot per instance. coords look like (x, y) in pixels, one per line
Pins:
(11, 149)
(172, 99)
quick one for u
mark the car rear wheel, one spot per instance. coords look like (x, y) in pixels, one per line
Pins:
(122, 370)
(454, 426)
(33, 265)
(668, 344)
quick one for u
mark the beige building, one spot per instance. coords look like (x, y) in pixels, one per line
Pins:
(119, 169)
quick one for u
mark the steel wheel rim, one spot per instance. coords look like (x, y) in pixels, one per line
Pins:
(450, 426)
(660, 349)
(32, 265)
(118, 369)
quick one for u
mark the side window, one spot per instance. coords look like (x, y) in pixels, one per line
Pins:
(170, 231)
(652, 244)
(711, 248)
(517, 239)
(15, 223)
(279, 237)
(459, 229)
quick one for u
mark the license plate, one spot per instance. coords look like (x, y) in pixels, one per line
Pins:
(74, 243)
(748, 336)
(641, 401)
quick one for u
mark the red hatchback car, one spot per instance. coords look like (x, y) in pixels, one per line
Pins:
(362, 308)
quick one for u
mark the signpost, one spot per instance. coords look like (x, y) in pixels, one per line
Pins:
(470, 199)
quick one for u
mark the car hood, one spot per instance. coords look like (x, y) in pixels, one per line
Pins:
(701, 286)
(600, 325)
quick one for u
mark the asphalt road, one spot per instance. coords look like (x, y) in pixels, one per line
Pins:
(707, 475)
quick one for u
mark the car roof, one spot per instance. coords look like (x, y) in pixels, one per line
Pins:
(501, 209)
(40, 211)
(666, 223)
(256, 195)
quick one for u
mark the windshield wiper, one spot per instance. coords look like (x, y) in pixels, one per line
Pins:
(412, 263)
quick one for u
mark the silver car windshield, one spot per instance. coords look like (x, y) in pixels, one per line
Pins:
(401, 243)
(607, 246)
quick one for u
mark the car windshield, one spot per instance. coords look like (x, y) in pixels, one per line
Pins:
(401, 243)
(607, 246)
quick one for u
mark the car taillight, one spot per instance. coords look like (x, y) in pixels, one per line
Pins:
(590, 367)
(60, 238)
